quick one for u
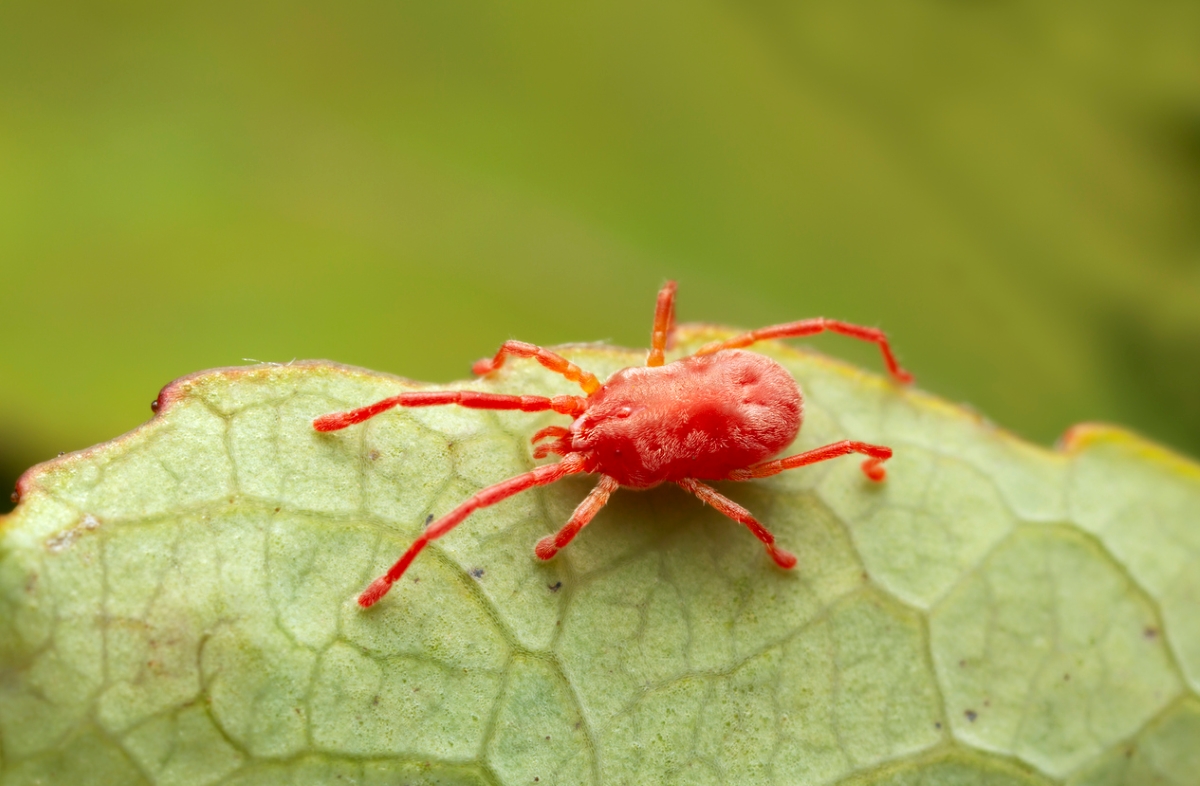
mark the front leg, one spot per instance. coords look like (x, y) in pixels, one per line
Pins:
(538, 476)
(553, 361)
(566, 405)
(663, 332)
(550, 545)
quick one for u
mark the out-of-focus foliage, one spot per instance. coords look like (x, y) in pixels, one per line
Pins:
(1012, 189)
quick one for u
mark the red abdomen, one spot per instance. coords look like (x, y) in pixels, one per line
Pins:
(699, 417)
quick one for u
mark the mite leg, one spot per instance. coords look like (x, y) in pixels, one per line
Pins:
(558, 432)
(558, 447)
(664, 324)
(548, 546)
(809, 327)
(710, 496)
(489, 496)
(872, 467)
(561, 444)
(556, 363)
(567, 405)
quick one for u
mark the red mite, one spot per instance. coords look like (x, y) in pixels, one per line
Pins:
(716, 415)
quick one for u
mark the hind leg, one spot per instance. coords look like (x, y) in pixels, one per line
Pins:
(872, 467)
(811, 327)
(710, 496)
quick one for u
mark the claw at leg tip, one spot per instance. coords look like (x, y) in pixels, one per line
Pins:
(545, 548)
(336, 421)
(873, 469)
(371, 595)
(784, 559)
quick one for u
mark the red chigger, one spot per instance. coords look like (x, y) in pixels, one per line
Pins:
(700, 417)
(719, 414)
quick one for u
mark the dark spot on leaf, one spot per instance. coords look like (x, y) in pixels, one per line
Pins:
(477, 572)
(373, 455)
(15, 497)
(1130, 751)
(1066, 677)
(62, 453)
(276, 510)
(987, 702)
(428, 519)
(555, 587)
(154, 405)
(962, 664)
(971, 715)
(547, 738)
(375, 700)
(1150, 632)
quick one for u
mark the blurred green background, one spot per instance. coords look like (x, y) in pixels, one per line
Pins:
(1011, 189)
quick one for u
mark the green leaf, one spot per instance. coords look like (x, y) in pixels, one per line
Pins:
(177, 606)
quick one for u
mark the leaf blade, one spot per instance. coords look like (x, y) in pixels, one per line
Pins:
(189, 588)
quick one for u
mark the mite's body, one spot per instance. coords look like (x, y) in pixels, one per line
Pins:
(699, 417)
(719, 414)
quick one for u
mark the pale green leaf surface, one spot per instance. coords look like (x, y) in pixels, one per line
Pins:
(177, 606)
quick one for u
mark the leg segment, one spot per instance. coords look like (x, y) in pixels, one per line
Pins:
(550, 360)
(664, 324)
(489, 496)
(548, 546)
(872, 467)
(809, 327)
(558, 432)
(567, 405)
(710, 496)
(561, 444)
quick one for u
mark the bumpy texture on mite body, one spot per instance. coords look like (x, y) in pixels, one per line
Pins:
(699, 417)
